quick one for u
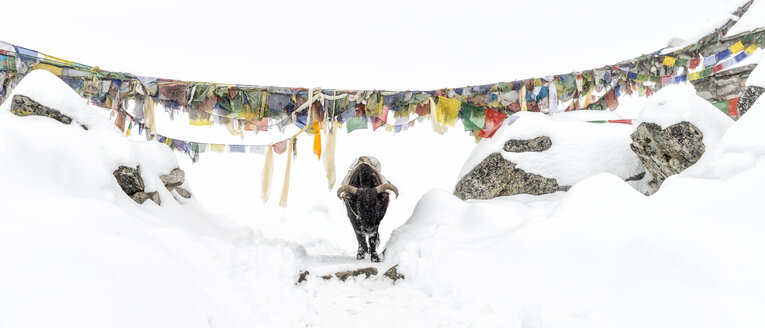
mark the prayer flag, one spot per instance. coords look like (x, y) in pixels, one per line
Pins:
(281, 146)
(666, 80)
(669, 61)
(733, 107)
(494, 120)
(695, 62)
(236, 148)
(736, 47)
(723, 54)
(355, 123)
(611, 100)
(740, 57)
(217, 148)
(642, 77)
(632, 75)
(749, 50)
(198, 147)
(710, 61)
(447, 110)
(473, 117)
(717, 68)
(681, 62)
(723, 106)
(693, 76)
(681, 78)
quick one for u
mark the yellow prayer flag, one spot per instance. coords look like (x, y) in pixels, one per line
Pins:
(669, 61)
(448, 109)
(693, 76)
(199, 122)
(749, 50)
(736, 47)
(217, 148)
(58, 60)
(50, 68)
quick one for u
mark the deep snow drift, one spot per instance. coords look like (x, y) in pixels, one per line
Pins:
(77, 252)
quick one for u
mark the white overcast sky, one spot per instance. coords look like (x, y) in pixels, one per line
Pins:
(395, 45)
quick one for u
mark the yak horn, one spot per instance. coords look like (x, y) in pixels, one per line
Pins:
(386, 187)
(345, 188)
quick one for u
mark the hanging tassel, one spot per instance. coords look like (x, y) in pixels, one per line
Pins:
(268, 174)
(130, 127)
(286, 185)
(329, 155)
(148, 116)
(316, 138)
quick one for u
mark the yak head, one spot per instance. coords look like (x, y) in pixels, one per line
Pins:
(368, 199)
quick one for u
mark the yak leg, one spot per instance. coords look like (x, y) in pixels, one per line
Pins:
(373, 242)
(362, 252)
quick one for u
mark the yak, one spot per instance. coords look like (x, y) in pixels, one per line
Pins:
(365, 192)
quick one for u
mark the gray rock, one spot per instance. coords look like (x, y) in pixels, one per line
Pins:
(495, 176)
(25, 106)
(393, 273)
(129, 180)
(537, 144)
(747, 99)
(370, 271)
(183, 192)
(174, 179)
(140, 197)
(666, 152)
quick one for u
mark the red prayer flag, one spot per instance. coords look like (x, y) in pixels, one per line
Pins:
(733, 107)
(648, 92)
(625, 121)
(717, 68)
(695, 62)
(611, 100)
(423, 109)
(494, 120)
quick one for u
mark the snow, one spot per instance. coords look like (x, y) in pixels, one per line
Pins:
(751, 20)
(757, 77)
(579, 149)
(76, 252)
(679, 103)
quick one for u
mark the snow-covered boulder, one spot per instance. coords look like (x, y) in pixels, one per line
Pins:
(540, 154)
(83, 153)
(674, 130)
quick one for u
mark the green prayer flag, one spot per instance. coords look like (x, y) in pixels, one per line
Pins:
(723, 106)
(681, 62)
(473, 117)
(355, 123)
(198, 147)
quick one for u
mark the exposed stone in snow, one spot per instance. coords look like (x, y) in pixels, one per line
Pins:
(393, 273)
(497, 176)
(129, 180)
(174, 179)
(747, 99)
(24, 106)
(537, 144)
(666, 152)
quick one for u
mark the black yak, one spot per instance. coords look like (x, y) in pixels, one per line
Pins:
(365, 193)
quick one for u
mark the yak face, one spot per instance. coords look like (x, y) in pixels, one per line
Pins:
(370, 206)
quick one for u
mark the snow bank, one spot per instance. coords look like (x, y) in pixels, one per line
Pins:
(752, 20)
(679, 103)
(579, 149)
(757, 77)
(603, 254)
(76, 251)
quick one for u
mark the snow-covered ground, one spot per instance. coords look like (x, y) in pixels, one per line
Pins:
(75, 251)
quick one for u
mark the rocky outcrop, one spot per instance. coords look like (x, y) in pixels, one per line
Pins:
(495, 176)
(666, 152)
(748, 98)
(129, 179)
(174, 179)
(132, 184)
(24, 106)
(537, 144)
(393, 273)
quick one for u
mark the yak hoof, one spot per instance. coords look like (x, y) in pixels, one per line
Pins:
(375, 257)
